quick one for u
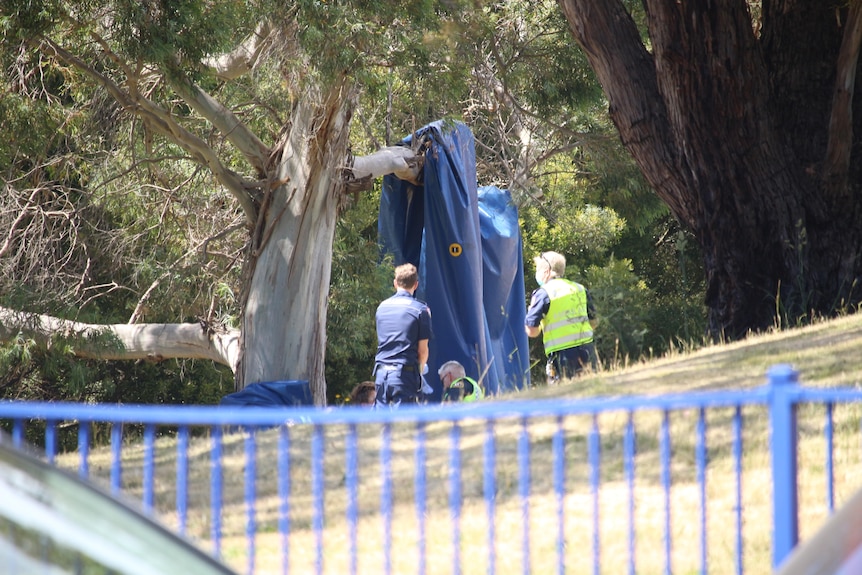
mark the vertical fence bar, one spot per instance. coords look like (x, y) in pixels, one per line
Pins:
(318, 486)
(149, 467)
(524, 485)
(351, 462)
(216, 487)
(595, 455)
(700, 458)
(559, 450)
(782, 380)
(664, 454)
(182, 476)
(737, 472)
(116, 457)
(386, 496)
(18, 432)
(421, 491)
(830, 447)
(629, 464)
(284, 495)
(455, 495)
(84, 449)
(490, 492)
(250, 495)
(50, 440)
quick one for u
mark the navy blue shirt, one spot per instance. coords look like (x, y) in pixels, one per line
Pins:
(402, 321)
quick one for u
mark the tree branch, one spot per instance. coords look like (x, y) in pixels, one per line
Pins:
(161, 121)
(401, 161)
(243, 58)
(246, 141)
(151, 341)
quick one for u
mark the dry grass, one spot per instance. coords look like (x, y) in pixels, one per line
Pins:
(825, 354)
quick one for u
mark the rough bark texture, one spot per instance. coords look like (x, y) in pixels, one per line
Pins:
(731, 128)
(284, 324)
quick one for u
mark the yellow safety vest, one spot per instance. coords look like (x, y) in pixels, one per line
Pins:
(458, 384)
(566, 323)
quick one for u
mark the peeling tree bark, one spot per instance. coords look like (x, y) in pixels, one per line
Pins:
(284, 319)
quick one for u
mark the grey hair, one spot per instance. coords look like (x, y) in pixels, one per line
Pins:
(554, 261)
(451, 365)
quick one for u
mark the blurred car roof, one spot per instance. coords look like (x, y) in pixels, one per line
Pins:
(53, 522)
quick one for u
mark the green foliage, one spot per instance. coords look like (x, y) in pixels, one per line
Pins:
(175, 31)
(29, 372)
(22, 19)
(622, 300)
(541, 64)
(142, 220)
(359, 282)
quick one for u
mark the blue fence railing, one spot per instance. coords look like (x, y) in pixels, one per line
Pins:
(625, 484)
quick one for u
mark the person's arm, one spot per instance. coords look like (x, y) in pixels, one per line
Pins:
(538, 308)
(423, 354)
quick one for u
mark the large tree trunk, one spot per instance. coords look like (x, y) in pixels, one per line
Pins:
(284, 323)
(731, 130)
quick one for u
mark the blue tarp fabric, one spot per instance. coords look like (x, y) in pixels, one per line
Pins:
(503, 297)
(288, 393)
(466, 243)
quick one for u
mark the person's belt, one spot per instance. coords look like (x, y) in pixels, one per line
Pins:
(396, 366)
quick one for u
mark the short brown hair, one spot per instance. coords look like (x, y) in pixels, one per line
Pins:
(406, 276)
(363, 394)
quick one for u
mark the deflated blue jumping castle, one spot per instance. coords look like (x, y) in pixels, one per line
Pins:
(466, 242)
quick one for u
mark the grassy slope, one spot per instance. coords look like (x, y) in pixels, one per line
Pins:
(825, 354)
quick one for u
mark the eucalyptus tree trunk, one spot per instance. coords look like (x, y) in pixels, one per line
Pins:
(284, 321)
(745, 130)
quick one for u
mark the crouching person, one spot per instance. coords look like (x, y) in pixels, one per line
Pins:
(456, 385)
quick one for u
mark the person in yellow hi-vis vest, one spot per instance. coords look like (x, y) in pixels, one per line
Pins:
(456, 385)
(563, 312)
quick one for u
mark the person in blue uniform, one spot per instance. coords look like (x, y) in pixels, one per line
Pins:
(563, 312)
(403, 331)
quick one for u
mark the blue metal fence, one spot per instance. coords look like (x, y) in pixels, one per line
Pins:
(587, 485)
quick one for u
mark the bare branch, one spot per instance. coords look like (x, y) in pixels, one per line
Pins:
(162, 121)
(403, 162)
(244, 57)
(255, 151)
(153, 341)
(139, 308)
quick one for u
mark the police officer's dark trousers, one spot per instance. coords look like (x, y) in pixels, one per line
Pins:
(396, 385)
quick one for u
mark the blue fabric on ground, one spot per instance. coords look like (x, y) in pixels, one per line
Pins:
(287, 393)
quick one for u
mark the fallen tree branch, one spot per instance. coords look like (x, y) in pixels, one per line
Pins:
(150, 341)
